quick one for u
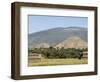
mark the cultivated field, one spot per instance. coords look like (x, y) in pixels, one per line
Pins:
(51, 62)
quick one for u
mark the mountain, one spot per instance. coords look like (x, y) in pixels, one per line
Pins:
(54, 36)
(72, 42)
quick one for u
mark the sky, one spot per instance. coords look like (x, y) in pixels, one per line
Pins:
(38, 23)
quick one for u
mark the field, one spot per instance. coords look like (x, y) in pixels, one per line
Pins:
(51, 62)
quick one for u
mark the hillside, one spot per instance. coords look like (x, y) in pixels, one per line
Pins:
(42, 45)
(55, 36)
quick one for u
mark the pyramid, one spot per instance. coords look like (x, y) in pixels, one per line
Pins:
(72, 42)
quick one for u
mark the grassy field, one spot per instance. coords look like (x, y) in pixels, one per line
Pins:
(51, 62)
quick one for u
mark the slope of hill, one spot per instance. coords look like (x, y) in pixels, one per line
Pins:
(42, 45)
(54, 36)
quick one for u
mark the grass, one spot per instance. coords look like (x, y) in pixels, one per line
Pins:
(51, 62)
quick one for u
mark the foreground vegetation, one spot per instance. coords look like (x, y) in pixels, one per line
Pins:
(57, 56)
(59, 53)
(51, 62)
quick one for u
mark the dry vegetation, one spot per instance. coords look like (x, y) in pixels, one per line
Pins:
(51, 62)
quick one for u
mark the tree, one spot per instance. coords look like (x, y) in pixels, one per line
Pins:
(81, 54)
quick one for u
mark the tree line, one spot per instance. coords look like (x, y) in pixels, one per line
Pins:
(55, 53)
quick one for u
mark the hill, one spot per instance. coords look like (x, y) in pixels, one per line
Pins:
(55, 36)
